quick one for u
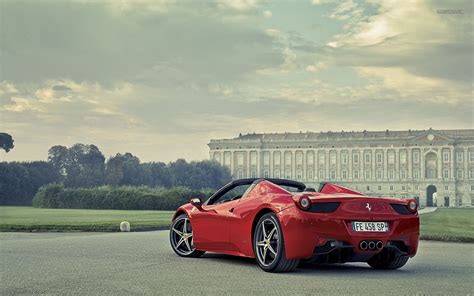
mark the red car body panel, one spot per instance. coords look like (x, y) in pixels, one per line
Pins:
(228, 227)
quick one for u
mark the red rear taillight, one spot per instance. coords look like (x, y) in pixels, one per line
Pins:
(412, 206)
(304, 203)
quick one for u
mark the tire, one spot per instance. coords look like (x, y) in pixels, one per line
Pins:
(181, 237)
(387, 264)
(269, 246)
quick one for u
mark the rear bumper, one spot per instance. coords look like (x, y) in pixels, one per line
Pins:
(304, 232)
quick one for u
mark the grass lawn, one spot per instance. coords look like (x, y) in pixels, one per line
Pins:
(448, 225)
(443, 224)
(34, 219)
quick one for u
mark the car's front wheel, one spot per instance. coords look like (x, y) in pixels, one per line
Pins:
(181, 237)
(388, 263)
(269, 247)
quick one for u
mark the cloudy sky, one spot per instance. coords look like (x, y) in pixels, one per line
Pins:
(161, 78)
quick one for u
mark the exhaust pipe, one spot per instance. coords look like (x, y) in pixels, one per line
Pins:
(363, 245)
(379, 245)
(371, 245)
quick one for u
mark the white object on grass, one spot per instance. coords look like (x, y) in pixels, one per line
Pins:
(125, 226)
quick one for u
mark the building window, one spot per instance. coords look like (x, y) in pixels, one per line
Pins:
(276, 174)
(227, 159)
(332, 157)
(266, 158)
(459, 156)
(446, 174)
(367, 175)
(333, 175)
(310, 175)
(299, 175)
(403, 157)
(288, 158)
(380, 188)
(321, 175)
(471, 174)
(356, 175)
(367, 158)
(416, 157)
(355, 158)
(379, 174)
(417, 187)
(322, 158)
(445, 156)
(391, 157)
(379, 158)
(416, 174)
(344, 158)
(309, 158)
(253, 174)
(240, 159)
(404, 188)
(276, 158)
(344, 175)
(459, 175)
(446, 187)
(368, 188)
(288, 174)
(472, 187)
(240, 174)
(253, 158)
(391, 187)
(391, 174)
(265, 174)
(299, 158)
(403, 174)
(471, 156)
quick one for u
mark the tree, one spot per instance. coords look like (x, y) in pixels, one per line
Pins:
(125, 169)
(81, 165)
(6, 142)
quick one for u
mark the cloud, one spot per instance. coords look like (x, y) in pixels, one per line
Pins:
(161, 78)
(239, 5)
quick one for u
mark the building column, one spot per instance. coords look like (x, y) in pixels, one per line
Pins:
(327, 164)
(440, 164)
(453, 160)
(409, 163)
(270, 165)
(349, 165)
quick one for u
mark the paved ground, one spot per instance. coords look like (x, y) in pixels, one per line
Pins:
(143, 263)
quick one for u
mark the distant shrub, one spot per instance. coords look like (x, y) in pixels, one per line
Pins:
(118, 198)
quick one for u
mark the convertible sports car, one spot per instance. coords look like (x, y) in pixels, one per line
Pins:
(282, 222)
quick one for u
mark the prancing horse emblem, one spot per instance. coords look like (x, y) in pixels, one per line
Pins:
(368, 207)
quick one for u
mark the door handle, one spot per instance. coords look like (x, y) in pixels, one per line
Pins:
(231, 210)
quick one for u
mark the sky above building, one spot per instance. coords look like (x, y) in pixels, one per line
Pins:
(160, 79)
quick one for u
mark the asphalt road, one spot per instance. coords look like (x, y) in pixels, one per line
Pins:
(143, 263)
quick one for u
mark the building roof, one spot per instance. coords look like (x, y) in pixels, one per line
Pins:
(460, 134)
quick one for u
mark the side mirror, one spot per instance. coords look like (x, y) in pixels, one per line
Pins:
(197, 202)
(309, 189)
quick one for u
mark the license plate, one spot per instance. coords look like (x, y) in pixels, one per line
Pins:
(370, 226)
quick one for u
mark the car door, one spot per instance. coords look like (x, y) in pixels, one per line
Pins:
(211, 226)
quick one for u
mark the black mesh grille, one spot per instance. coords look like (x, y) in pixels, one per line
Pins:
(401, 209)
(324, 207)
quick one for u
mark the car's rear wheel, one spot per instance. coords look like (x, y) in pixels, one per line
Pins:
(181, 237)
(269, 247)
(379, 262)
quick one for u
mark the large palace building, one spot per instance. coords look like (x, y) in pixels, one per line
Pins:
(436, 167)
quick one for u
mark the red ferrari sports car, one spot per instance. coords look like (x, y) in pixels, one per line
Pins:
(282, 222)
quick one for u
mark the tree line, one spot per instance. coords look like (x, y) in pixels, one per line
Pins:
(85, 166)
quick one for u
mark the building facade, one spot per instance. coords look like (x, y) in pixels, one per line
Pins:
(436, 167)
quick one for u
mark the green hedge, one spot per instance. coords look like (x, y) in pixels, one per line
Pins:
(118, 198)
